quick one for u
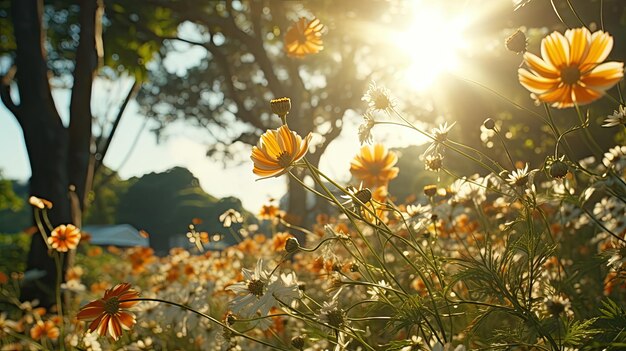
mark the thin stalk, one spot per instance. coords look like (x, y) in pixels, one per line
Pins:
(571, 7)
(58, 261)
(212, 319)
(508, 155)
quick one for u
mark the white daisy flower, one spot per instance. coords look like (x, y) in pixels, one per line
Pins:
(379, 98)
(439, 135)
(229, 217)
(618, 117)
(261, 290)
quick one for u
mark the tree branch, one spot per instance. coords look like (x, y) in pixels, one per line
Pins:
(222, 61)
(5, 93)
(254, 43)
(102, 151)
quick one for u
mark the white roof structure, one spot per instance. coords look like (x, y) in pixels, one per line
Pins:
(117, 235)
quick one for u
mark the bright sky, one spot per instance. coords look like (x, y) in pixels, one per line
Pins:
(180, 149)
(184, 148)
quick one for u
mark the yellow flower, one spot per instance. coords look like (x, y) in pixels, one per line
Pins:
(570, 70)
(304, 38)
(64, 238)
(277, 151)
(374, 165)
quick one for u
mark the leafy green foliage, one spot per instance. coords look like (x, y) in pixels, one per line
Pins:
(576, 332)
(105, 196)
(14, 248)
(16, 216)
(163, 204)
(8, 199)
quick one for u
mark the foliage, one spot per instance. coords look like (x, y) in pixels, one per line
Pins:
(164, 204)
(14, 248)
(8, 199)
(15, 219)
(105, 196)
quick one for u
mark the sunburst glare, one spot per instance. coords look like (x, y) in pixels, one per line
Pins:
(432, 41)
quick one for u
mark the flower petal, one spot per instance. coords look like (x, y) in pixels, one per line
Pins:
(555, 50)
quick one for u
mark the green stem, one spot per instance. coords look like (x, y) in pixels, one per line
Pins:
(58, 261)
(212, 319)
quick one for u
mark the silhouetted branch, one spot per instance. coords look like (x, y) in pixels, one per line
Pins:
(5, 92)
(101, 152)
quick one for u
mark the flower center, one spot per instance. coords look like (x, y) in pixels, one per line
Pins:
(570, 75)
(335, 318)
(441, 136)
(302, 38)
(284, 159)
(555, 307)
(381, 102)
(112, 305)
(521, 180)
(256, 287)
(364, 195)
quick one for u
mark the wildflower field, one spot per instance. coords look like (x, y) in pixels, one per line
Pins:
(506, 247)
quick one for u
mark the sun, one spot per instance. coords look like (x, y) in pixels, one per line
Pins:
(432, 42)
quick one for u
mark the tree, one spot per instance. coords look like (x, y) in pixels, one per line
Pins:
(63, 158)
(164, 204)
(227, 93)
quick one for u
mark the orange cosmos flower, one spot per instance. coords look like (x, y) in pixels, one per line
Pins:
(44, 329)
(269, 211)
(374, 165)
(570, 70)
(64, 238)
(277, 151)
(279, 240)
(109, 313)
(304, 38)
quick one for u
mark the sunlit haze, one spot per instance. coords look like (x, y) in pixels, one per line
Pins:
(432, 42)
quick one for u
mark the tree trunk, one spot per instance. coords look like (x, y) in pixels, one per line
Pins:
(46, 141)
(81, 163)
(59, 156)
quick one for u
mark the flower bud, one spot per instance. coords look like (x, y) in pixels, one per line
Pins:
(364, 195)
(39, 202)
(297, 342)
(292, 245)
(558, 169)
(230, 319)
(354, 267)
(489, 124)
(516, 42)
(430, 190)
(281, 106)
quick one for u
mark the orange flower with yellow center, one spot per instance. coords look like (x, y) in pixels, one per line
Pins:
(570, 70)
(304, 38)
(45, 329)
(109, 313)
(64, 238)
(277, 151)
(374, 165)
